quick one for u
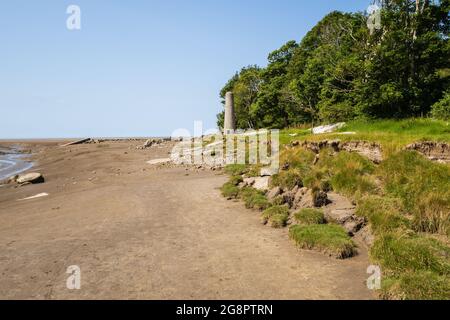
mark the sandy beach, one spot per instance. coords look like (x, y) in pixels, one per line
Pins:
(142, 231)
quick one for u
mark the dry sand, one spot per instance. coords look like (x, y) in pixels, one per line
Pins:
(140, 231)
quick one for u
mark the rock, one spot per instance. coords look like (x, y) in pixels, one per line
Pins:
(366, 236)
(261, 183)
(275, 192)
(306, 200)
(353, 226)
(266, 172)
(320, 199)
(147, 144)
(288, 197)
(340, 216)
(248, 182)
(298, 196)
(33, 177)
(311, 199)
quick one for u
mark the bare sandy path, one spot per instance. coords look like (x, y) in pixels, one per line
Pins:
(156, 234)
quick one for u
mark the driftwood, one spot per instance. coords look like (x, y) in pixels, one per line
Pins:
(76, 142)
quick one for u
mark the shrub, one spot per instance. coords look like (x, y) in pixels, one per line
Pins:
(441, 109)
(329, 238)
(309, 216)
(229, 190)
(276, 216)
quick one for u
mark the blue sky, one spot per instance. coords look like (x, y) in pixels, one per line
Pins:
(136, 68)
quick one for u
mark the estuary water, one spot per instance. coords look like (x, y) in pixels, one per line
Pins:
(12, 162)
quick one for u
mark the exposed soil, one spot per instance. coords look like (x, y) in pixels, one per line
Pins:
(140, 231)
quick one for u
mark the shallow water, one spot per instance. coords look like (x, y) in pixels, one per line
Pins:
(12, 162)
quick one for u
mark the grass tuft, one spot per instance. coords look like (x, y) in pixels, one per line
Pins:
(329, 238)
(399, 253)
(309, 216)
(254, 199)
(276, 216)
(230, 191)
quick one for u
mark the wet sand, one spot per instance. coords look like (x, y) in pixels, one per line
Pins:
(142, 231)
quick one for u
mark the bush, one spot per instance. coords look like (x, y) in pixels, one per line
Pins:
(309, 216)
(329, 238)
(229, 190)
(276, 216)
(441, 109)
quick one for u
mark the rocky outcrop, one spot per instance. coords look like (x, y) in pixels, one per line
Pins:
(370, 150)
(435, 151)
(310, 199)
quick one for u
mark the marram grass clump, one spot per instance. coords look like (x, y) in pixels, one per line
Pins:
(276, 216)
(329, 238)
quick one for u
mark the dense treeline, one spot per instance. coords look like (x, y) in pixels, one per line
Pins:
(343, 70)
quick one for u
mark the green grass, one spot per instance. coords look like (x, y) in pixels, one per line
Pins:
(382, 213)
(287, 179)
(276, 216)
(391, 134)
(254, 199)
(398, 253)
(236, 180)
(236, 169)
(420, 285)
(309, 216)
(329, 238)
(422, 186)
(346, 172)
(230, 191)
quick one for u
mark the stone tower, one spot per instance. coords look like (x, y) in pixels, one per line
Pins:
(230, 122)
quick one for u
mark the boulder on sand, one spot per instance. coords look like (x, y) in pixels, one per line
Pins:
(32, 177)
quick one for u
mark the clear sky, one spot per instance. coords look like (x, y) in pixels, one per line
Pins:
(136, 68)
